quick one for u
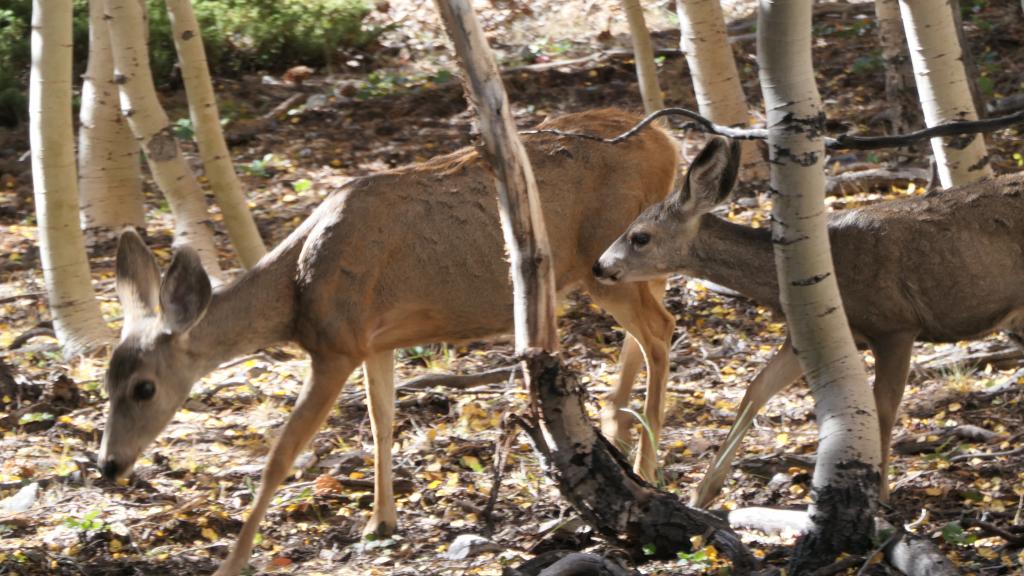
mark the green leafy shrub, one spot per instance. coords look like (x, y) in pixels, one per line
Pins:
(239, 35)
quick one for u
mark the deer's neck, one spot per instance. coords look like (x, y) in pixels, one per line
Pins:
(737, 257)
(255, 311)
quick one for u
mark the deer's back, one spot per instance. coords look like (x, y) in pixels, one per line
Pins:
(417, 255)
(950, 265)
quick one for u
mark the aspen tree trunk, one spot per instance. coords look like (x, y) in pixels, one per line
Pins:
(643, 55)
(590, 472)
(152, 128)
(942, 86)
(76, 312)
(716, 80)
(899, 75)
(846, 477)
(202, 107)
(109, 176)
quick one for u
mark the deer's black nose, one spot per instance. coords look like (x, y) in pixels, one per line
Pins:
(110, 469)
(598, 269)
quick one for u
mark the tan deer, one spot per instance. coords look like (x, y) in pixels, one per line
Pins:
(406, 257)
(942, 268)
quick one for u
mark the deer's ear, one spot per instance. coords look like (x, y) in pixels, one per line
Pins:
(185, 292)
(712, 175)
(138, 278)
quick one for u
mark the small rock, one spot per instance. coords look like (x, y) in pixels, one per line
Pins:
(780, 481)
(21, 501)
(467, 545)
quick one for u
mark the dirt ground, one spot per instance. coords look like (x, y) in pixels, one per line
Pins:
(400, 104)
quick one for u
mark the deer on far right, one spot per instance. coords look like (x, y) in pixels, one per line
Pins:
(944, 267)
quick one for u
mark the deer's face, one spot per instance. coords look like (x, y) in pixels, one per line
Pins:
(658, 242)
(151, 370)
(652, 247)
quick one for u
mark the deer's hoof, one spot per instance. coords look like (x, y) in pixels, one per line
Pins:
(615, 427)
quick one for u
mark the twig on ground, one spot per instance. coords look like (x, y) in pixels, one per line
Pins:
(502, 446)
(1015, 540)
(44, 328)
(838, 566)
(986, 455)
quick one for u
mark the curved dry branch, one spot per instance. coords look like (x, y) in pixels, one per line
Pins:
(841, 142)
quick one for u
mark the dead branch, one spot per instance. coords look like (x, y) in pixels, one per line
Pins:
(462, 381)
(986, 455)
(841, 142)
(990, 529)
(840, 183)
(914, 555)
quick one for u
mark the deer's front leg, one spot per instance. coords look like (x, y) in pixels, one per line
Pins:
(314, 404)
(380, 394)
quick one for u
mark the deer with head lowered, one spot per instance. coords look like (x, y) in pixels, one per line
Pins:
(942, 268)
(410, 256)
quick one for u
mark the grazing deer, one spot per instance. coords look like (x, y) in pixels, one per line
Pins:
(942, 268)
(406, 257)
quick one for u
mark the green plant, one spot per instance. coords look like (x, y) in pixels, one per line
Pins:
(239, 36)
(89, 521)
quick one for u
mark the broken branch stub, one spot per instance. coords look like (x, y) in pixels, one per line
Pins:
(533, 280)
(591, 474)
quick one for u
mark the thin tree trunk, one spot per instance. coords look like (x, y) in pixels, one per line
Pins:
(970, 66)
(900, 91)
(942, 85)
(76, 313)
(109, 176)
(846, 478)
(643, 55)
(716, 80)
(589, 471)
(202, 106)
(152, 128)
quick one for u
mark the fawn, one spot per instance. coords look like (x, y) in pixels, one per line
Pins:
(942, 268)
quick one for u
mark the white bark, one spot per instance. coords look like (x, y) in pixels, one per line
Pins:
(643, 55)
(76, 313)
(716, 80)
(846, 476)
(202, 106)
(109, 176)
(151, 127)
(942, 86)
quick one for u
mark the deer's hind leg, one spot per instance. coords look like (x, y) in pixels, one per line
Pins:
(380, 395)
(892, 365)
(782, 370)
(327, 376)
(638, 308)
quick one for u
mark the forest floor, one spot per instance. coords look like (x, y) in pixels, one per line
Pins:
(400, 105)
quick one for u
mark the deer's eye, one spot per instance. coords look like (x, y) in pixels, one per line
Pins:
(143, 390)
(640, 239)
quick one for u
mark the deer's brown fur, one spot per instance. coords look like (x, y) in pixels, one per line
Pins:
(406, 257)
(945, 267)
